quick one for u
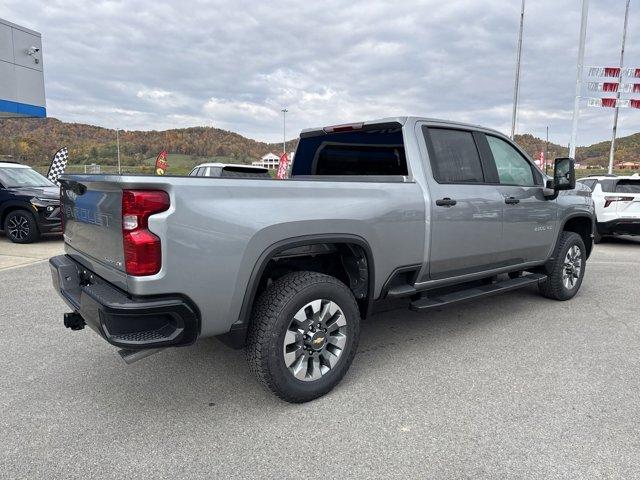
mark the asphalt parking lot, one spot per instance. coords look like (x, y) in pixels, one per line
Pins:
(515, 386)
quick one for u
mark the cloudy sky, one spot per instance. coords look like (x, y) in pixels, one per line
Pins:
(234, 64)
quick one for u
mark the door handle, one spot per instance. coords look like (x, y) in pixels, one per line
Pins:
(446, 202)
(511, 201)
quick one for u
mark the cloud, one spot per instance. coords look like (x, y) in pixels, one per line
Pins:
(235, 65)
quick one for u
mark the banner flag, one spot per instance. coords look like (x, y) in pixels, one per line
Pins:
(613, 102)
(283, 166)
(58, 165)
(162, 163)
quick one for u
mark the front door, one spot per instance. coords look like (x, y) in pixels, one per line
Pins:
(530, 219)
(466, 212)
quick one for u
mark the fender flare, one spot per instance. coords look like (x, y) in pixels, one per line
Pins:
(571, 216)
(237, 332)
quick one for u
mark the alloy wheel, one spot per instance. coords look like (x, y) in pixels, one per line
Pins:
(572, 267)
(18, 227)
(315, 340)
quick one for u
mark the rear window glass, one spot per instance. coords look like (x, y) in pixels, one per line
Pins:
(628, 186)
(455, 158)
(360, 160)
(364, 152)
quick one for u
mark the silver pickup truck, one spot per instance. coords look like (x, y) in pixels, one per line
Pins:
(434, 211)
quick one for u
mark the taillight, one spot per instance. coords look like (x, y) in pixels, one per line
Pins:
(142, 249)
(609, 200)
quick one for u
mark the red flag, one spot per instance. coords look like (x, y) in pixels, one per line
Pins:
(283, 166)
(162, 162)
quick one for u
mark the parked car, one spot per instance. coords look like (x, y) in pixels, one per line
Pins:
(29, 203)
(433, 211)
(229, 170)
(617, 201)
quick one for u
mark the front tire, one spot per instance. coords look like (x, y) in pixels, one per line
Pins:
(566, 270)
(21, 227)
(303, 335)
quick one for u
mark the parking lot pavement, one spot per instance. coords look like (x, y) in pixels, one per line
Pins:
(15, 255)
(515, 386)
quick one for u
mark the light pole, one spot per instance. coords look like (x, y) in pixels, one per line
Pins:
(576, 100)
(546, 152)
(516, 87)
(118, 148)
(284, 130)
(615, 113)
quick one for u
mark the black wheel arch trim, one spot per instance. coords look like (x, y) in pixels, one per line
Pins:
(237, 333)
(566, 220)
(10, 206)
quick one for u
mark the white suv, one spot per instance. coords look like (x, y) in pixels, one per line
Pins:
(617, 201)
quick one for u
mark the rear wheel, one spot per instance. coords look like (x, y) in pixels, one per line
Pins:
(21, 227)
(303, 335)
(567, 268)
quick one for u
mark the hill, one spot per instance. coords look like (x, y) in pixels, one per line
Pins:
(34, 141)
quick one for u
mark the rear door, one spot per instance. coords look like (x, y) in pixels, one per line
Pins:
(629, 204)
(466, 212)
(530, 219)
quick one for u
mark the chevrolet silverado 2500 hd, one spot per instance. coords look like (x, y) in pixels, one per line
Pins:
(434, 211)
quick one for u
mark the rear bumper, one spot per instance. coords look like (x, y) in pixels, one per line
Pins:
(122, 320)
(623, 226)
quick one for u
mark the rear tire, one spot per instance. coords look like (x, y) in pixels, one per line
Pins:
(303, 335)
(566, 270)
(20, 227)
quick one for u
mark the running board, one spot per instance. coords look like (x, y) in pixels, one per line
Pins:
(425, 302)
(401, 291)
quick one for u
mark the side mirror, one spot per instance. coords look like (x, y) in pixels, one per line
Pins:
(564, 174)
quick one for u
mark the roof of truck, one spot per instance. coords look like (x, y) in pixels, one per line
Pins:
(404, 119)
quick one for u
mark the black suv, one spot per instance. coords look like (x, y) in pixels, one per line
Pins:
(29, 203)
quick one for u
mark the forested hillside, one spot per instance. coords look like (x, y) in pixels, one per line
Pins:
(34, 141)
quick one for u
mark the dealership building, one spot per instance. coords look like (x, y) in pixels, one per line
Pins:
(21, 72)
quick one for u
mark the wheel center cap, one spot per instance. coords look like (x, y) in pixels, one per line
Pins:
(318, 340)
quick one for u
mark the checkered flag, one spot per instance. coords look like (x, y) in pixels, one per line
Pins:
(58, 165)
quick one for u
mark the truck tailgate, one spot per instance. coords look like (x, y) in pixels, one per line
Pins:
(93, 221)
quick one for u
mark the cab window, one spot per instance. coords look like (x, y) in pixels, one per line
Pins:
(454, 156)
(513, 168)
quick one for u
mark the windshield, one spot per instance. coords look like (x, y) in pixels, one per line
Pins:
(23, 177)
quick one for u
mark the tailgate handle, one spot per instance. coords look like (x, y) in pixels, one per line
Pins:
(75, 187)
(511, 201)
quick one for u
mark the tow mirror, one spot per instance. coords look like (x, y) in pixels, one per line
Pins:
(564, 174)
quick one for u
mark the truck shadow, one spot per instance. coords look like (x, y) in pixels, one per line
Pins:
(209, 375)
